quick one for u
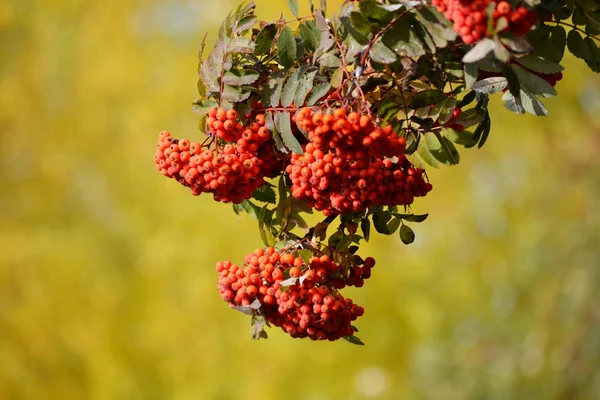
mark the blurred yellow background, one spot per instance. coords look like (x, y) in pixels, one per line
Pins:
(107, 281)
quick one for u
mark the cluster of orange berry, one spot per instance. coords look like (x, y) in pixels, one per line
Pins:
(296, 295)
(351, 164)
(470, 17)
(231, 166)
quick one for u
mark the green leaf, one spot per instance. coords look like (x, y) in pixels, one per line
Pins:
(425, 154)
(464, 138)
(246, 23)
(310, 35)
(577, 45)
(240, 45)
(540, 65)
(438, 27)
(517, 44)
(264, 193)
(485, 131)
(470, 73)
(286, 47)
(201, 107)
(238, 77)
(426, 98)
(337, 77)
(490, 85)
(330, 61)
(252, 209)
(264, 226)
(264, 39)
(446, 110)
(291, 86)
(234, 94)
(468, 99)
(393, 225)
(532, 104)
(406, 234)
(484, 47)
(469, 118)
(512, 80)
(271, 92)
(375, 12)
(293, 5)
(283, 123)
(318, 92)
(354, 340)
(533, 83)
(365, 227)
(403, 40)
(358, 27)
(282, 200)
(380, 221)
(381, 54)
(549, 42)
(412, 217)
(304, 86)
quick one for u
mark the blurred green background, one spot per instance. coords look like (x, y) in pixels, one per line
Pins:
(107, 281)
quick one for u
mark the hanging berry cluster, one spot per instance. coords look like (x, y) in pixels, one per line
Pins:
(299, 296)
(343, 117)
(470, 18)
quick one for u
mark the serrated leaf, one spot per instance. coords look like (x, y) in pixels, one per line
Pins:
(549, 42)
(286, 47)
(264, 39)
(365, 227)
(426, 98)
(380, 221)
(393, 225)
(382, 54)
(517, 44)
(406, 234)
(330, 61)
(264, 193)
(238, 77)
(540, 65)
(290, 87)
(354, 340)
(486, 126)
(412, 217)
(403, 40)
(355, 24)
(304, 86)
(470, 73)
(310, 35)
(577, 45)
(425, 154)
(240, 45)
(512, 80)
(234, 94)
(437, 26)
(448, 106)
(271, 92)
(464, 138)
(484, 47)
(532, 104)
(533, 83)
(201, 107)
(317, 93)
(336, 77)
(211, 69)
(283, 123)
(469, 118)
(246, 23)
(293, 6)
(490, 85)
(252, 209)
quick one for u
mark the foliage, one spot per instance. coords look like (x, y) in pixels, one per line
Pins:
(357, 107)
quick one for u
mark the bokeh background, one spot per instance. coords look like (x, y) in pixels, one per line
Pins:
(107, 281)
